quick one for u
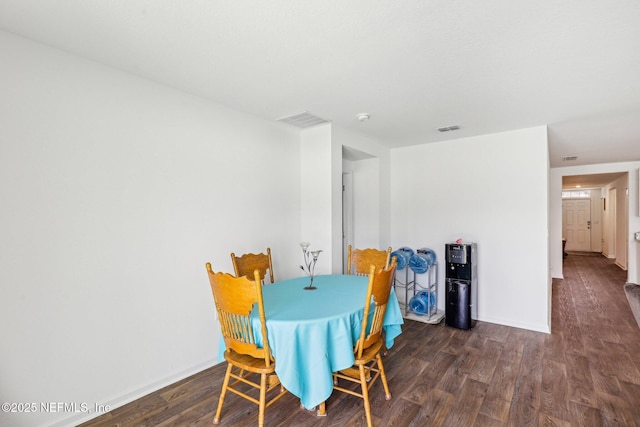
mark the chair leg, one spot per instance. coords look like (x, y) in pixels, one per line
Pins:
(385, 350)
(383, 376)
(223, 392)
(365, 395)
(322, 409)
(263, 399)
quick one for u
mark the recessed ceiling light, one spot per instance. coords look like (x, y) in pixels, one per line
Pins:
(363, 117)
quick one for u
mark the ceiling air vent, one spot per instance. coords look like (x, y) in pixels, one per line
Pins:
(303, 120)
(569, 158)
(448, 128)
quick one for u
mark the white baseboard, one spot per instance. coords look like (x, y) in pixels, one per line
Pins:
(622, 267)
(521, 325)
(131, 396)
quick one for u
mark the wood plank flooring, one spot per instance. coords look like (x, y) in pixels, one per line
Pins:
(585, 373)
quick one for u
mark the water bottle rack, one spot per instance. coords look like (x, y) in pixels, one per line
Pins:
(412, 284)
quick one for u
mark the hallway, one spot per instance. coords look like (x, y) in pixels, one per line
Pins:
(598, 342)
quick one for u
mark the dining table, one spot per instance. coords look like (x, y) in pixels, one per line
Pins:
(312, 332)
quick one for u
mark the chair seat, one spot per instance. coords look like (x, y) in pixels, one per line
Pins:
(249, 363)
(369, 353)
(354, 373)
(367, 356)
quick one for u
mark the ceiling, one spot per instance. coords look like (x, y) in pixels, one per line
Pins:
(590, 181)
(414, 66)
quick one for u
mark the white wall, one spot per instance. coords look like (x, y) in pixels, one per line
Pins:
(631, 211)
(115, 192)
(491, 190)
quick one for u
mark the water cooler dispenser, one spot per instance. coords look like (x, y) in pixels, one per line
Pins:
(461, 285)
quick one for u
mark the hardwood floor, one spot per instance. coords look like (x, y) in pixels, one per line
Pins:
(585, 373)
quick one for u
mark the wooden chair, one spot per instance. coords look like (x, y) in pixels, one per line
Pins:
(234, 298)
(244, 265)
(359, 260)
(368, 366)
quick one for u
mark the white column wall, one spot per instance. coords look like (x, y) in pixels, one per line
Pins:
(317, 194)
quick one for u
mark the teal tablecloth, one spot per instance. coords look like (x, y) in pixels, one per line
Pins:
(312, 332)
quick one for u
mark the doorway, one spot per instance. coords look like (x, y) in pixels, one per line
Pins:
(360, 200)
(608, 211)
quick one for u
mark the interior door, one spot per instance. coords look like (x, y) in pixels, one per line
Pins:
(576, 224)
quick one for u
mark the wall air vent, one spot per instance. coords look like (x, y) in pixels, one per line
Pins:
(448, 128)
(569, 158)
(303, 120)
